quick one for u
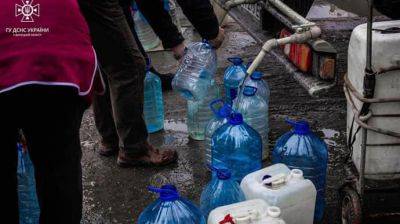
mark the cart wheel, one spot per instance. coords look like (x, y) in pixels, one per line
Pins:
(351, 207)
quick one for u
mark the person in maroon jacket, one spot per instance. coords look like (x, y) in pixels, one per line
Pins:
(47, 68)
(119, 113)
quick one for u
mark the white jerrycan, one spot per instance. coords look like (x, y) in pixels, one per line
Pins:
(383, 151)
(287, 189)
(248, 212)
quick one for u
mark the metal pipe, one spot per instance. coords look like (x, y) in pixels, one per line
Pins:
(314, 32)
(289, 12)
(232, 4)
(278, 15)
(369, 36)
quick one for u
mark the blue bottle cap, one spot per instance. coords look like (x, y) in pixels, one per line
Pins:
(236, 119)
(223, 173)
(206, 44)
(236, 61)
(249, 91)
(256, 76)
(300, 127)
(167, 192)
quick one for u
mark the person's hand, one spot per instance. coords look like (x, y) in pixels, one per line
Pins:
(179, 51)
(217, 42)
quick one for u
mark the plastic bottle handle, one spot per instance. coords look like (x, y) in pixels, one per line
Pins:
(159, 190)
(235, 60)
(275, 181)
(213, 103)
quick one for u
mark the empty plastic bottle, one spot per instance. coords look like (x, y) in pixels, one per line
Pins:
(221, 116)
(255, 113)
(194, 75)
(199, 113)
(153, 103)
(221, 190)
(171, 208)
(233, 78)
(302, 149)
(170, 6)
(256, 80)
(237, 146)
(144, 31)
(29, 210)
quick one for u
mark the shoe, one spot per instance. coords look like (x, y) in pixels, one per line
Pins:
(166, 79)
(107, 151)
(153, 157)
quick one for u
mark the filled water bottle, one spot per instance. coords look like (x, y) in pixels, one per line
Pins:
(153, 107)
(255, 113)
(256, 80)
(221, 116)
(237, 146)
(196, 71)
(170, 207)
(199, 113)
(221, 190)
(29, 210)
(255, 211)
(301, 149)
(144, 31)
(233, 78)
(287, 189)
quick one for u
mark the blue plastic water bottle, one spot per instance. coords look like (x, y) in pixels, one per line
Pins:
(153, 107)
(171, 208)
(233, 78)
(221, 190)
(199, 113)
(237, 146)
(256, 80)
(255, 113)
(29, 210)
(302, 149)
(221, 116)
(194, 75)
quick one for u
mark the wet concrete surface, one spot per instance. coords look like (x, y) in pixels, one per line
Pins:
(116, 195)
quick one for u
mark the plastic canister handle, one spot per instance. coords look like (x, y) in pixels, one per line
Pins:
(275, 181)
(213, 103)
(246, 217)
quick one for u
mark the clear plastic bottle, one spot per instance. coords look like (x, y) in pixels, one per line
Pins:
(237, 146)
(153, 103)
(171, 7)
(144, 31)
(171, 208)
(255, 113)
(29, 210)
(221, 116)
(233, 78)
(196, 71)
(221, 190)
(199, 113)
(301, 149)
(256, 80)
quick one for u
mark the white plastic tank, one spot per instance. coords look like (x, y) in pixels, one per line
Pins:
(287, 189)
(382, 157)
(248, 212)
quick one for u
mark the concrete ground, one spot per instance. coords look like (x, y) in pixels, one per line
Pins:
(116, 195)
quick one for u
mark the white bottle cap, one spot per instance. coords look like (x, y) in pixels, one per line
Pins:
(274, 212)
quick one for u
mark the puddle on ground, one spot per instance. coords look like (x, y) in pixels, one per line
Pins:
(176, 126)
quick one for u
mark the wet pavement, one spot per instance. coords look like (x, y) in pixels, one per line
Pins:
(116, 195)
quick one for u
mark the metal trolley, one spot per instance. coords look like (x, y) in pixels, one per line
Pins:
(361, 196)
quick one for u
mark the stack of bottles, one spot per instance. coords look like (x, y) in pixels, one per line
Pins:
(170, 207)
(301, 149)
(144, 31)
(29, 210)
(153, 107)
(221, 190)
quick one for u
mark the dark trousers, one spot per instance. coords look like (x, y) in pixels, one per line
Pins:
(50, 118)
(118, 113)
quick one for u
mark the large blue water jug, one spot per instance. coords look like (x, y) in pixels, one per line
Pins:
(255, 113)
(302, 149)
(237, 146)
(153, 107)
(233, 78)
(171, 208)
(197, 69)
(221, 190)
(221, 116)
(256, 80)
(29, 210)
(199, 113)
